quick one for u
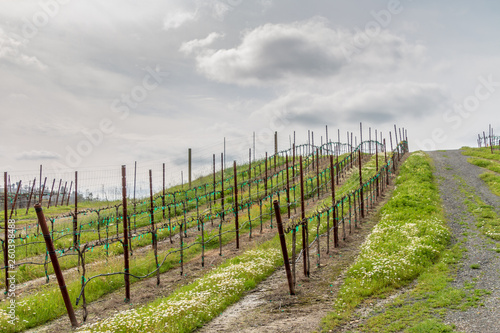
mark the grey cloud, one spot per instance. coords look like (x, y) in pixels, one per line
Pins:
(300, 50)
(377, 103)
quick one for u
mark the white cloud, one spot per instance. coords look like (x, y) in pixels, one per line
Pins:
(11, 50)
(196, 44)
(307, 49)
(179, 17)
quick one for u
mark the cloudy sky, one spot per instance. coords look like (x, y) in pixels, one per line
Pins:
(89, 84)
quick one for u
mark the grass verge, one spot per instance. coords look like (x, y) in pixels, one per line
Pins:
(408, 239)
(487, 220)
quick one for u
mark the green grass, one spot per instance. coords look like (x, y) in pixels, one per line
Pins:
(407, 240)
(420, 309)
(493, 182)
(475, 266)
(484, 153)
(487, 220)
(423, 308)
(485, 163)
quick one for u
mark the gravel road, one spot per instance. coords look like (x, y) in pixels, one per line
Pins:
(484, 319)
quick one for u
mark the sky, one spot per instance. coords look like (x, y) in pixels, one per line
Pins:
(93, 85)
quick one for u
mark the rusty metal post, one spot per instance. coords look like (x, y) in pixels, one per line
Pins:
(283, 246)
(362, 204)
(15, 200)
(153, 230)
(55, 264)
(294, 241)
(275, 149)
(6, 232)
(305, 242)
(75, 216)
(327, 232)
(31, 195)
(355, 210)
(222, 203)
(491, 144)
(361, 136)
(125, 235)
(376, 164)
(317, 170)
(265, 177)
(250, 174)
(64, 193)
(163, 196)
(58, 191)
(386, 168)
(215, 193)
(397, 142)
(287, 186)
(293, 176)
(69, 193)
(189, 166)
(236, 222)
(334, 215)
(42, 190)
(222, 184)
(152, 209)
(401, 138)
(51, 192)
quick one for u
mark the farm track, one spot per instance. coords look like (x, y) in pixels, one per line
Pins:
(484, 319)
(146, 290)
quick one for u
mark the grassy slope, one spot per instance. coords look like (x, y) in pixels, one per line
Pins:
(408, 239)
(482, 157)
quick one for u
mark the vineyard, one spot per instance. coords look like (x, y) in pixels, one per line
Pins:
(312, 193)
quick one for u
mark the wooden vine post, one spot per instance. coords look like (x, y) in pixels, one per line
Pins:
(55, 264)
(283, 246)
